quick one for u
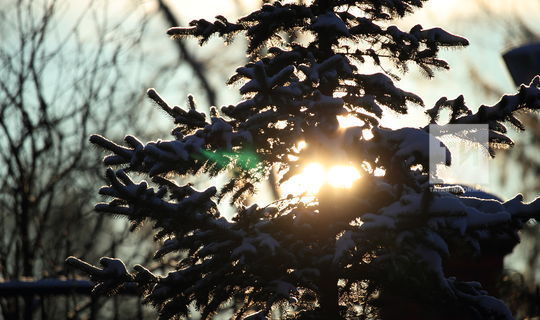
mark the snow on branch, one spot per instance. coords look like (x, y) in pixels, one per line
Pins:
(109, 278)
(438, 36)
(527, 99)
(382, 10)
(203, 29)
(187, 120)
(139, 201)
(189, 153)
(385, 92)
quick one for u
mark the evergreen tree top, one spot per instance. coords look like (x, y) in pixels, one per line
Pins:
(328, 258)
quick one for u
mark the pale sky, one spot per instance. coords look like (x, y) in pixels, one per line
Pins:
(462, 17)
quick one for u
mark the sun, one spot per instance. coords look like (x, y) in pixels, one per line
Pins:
(342, 176)
(309, 181)
(315, 175)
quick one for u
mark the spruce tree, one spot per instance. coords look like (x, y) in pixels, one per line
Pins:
(383, 248)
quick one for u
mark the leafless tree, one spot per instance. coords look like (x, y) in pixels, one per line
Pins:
(68, 69)
(63, 74)
(66, 72)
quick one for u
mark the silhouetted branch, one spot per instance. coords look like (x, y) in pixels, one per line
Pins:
(198, 68)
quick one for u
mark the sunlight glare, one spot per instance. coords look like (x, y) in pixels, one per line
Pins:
(342, 176)
(312, 178)
(315, 175)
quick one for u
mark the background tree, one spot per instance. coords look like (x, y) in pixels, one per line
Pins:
(387, 241)
(68, 71)
(60, 78)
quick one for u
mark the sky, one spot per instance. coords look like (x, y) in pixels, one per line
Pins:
(463, 17)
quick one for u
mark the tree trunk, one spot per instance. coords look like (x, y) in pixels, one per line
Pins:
(26, 252)
(328, 296)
